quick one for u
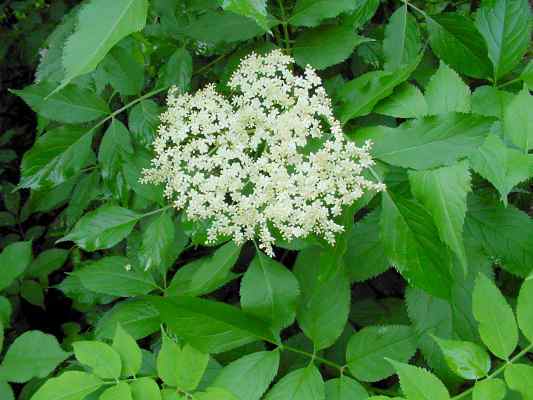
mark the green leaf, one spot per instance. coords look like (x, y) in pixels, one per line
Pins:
(254, 9)
(211, 326)
(32, 355)
(159, 243)
(123, 68)
(71, 105)
(270, 291)
(497, 324)
(55, 157)
(143, 120)
(96, 33)
(446, 92)
(428, 142)
(206, 274)
(519, 377)
(103, 228)
(5, 310)
(364, 11)
(325, 46)
(325, 303)
(369, 349)
(402, 43)
(407, 101)
(177, 70)
(121, 391)
(128, 350)
(359, 96)
(518, 121)
(500, 165)
(145, 389)
(115, 145)
(192, 364)
(443, 193)
(103, 360)
(466, 359)
(420, 384)
(456, 41)
(504, 233)
(527, 74)
(167, 361)
(215, 393)
(132, 170)
(250, 376)
(14, 260)
(71, 385)
(138, 317)
(489, 101)
(47, 262)
(345, 388)
(223, 27)
(301, 384)
(33, 293)
(412, 244)
(6, 393)
(113, 275)
(312, 12)
(492, 389)
(524, 309)
(365, 256)
(505, 25)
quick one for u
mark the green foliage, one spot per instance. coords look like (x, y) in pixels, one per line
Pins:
(109, 293)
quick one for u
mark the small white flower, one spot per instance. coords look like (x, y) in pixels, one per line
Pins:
(271, 156)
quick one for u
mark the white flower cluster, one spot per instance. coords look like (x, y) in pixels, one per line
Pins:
(270, 158)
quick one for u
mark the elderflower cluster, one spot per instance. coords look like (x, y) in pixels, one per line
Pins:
(271, 158)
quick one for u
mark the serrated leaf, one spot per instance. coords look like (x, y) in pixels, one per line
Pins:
(114, 276)
(254, 9)
(96, 33)
(506, 234)
(402, 39)
(412, 244)
(32, 355)
(115, 145)
(446, 92)
(211, 326)
(103, 228)
(132, 170)
(71, 385)
(138, 317)
(324, 306)
(345, 388)
(14, 259)
(270, 291)
(502, 166)
(489, 101)
(428, 142)
(505, 25)
(103, 360)
(497, 324)
(456, 41)
(167, 360)
(177, 71)
(206, 274)
(365, 256)
(364, 11)
(128, 350)
(443, 193)
(419, 384)
(519, 377)
(518, 121)
(369, 348)
(55, 157)
(359, 96)
(301, 384)
(407, 101)
(249, 377)
(466, 359)
(492, 389)
(311, 13)
(71, 105)
(143, 120)
(325, 46)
